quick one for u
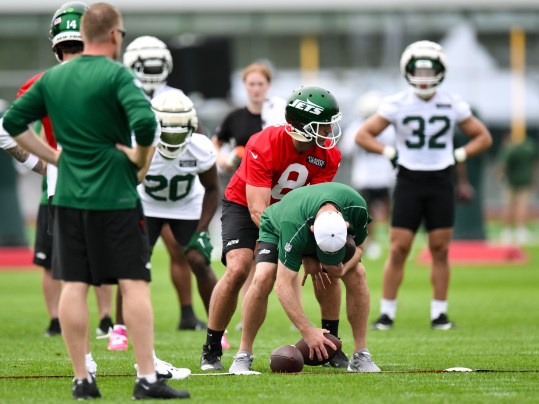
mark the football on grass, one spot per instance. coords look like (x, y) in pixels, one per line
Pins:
(350, 249)
(286, 359)
(304, 349)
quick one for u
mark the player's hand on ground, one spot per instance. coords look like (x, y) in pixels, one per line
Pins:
(315, 339)
(200, 241)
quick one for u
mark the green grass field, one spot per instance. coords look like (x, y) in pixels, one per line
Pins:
(495, 308)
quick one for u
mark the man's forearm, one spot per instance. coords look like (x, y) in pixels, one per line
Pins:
(26, 159)
(29, 141)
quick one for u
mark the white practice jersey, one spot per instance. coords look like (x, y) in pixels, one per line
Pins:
(171, 188)
(425, 129)
(273, 110)
(369, 170)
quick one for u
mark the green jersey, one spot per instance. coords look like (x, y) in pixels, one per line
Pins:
(93, 103)
(288, 223)
(518, 160)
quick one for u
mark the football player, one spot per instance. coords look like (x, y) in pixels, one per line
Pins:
(424, 118)
(151, 62)
(181, 187)
(277, 160)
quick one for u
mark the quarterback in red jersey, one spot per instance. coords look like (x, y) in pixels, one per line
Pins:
(277, 160)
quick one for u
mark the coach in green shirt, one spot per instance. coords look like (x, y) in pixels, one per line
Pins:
(94, 104)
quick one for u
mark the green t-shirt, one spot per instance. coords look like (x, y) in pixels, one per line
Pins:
(518, 161)
(287, 223)
(93, 103)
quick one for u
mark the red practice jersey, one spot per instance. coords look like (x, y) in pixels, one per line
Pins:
(271, 161)
(47, 126)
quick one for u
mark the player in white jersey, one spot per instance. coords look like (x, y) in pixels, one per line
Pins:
(181, 186)
(151, 61)
(424, 119)
(371, 174)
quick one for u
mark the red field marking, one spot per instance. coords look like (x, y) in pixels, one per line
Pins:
(479, 253)
(19, 258)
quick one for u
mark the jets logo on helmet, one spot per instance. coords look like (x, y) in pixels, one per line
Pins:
(307, 107)
(423, 64)
(312, 113)
(150, 60)
(178, 119)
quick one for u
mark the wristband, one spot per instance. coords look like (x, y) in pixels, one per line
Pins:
(460, 154)
(30, 162)
(389, 152)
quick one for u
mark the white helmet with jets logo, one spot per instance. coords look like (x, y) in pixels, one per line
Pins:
(313, 114)
(423, 64)
(151, 61)
(178, 119)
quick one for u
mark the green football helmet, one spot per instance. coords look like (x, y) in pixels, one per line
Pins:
(65, 24)
(313, 114)
(178, 120)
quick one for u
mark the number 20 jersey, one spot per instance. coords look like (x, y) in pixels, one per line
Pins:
(271, 161)
(171, 188)
(425, 129)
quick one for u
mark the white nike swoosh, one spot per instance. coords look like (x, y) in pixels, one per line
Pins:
(255, 156)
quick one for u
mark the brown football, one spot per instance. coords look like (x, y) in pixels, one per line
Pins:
(286, 359)
(304, 349)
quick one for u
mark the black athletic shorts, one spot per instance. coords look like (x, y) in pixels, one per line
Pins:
(373, 195)
(427, 196)
(181, 229)
(237, 228)
(100, 246)
(43, 241)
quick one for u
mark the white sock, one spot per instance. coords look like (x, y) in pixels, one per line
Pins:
(437, 307)
(388, 307)
(88, 357)
(154, 355)
(120, 327)
(151, 378)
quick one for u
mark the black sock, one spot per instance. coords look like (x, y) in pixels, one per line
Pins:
(332, 326)
(213, 337)
(187, 312)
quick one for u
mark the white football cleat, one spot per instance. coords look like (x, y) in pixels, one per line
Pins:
(166, 370)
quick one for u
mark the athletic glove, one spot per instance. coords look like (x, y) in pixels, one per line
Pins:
(460, 155)
(201, 242)
(392, 155)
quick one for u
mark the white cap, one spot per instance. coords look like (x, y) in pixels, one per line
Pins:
(330, 234)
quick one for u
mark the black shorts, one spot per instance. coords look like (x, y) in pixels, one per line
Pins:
(100, 246)
(427, 196)
(181, 229)
(374, 195)
(237, 228)
(267, 252)
(43, 241)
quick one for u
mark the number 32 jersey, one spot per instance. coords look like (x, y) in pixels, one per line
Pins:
(271, 161)
(171, 188)
(425, 129)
